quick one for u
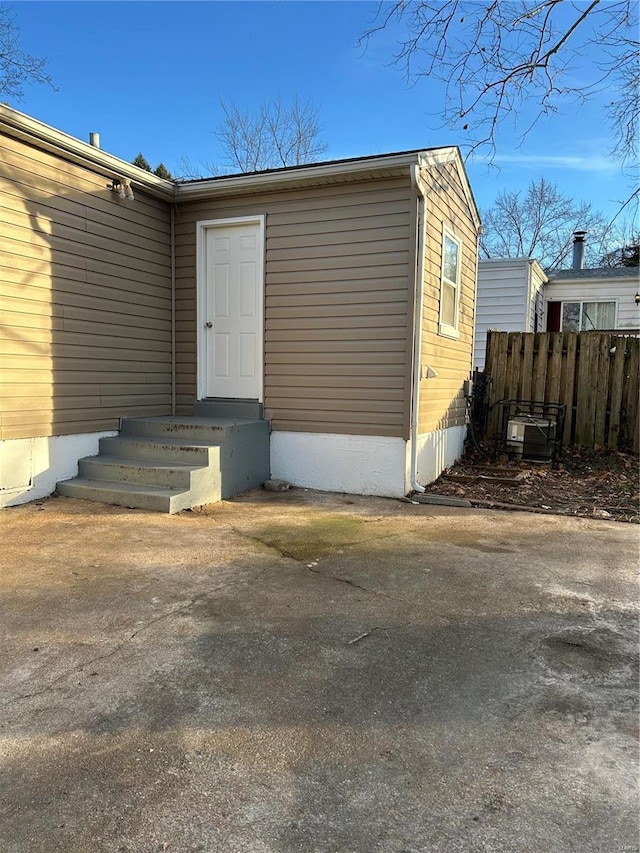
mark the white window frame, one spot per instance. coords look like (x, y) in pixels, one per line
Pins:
(444, 328)
(582, 302)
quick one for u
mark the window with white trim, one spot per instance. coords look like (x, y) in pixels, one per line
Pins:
(450, 284)
(585, 316)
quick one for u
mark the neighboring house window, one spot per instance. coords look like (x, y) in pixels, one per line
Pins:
(450, 285)
(585, 316)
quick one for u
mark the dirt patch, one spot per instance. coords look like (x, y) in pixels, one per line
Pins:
(584, 482)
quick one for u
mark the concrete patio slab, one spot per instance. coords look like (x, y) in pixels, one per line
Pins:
(300, 671)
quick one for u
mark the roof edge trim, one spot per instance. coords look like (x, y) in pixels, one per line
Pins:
(451, 154)
(35, 132)
(307, 172)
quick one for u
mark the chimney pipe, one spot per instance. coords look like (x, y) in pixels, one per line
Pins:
(94, 139)
(578, 249)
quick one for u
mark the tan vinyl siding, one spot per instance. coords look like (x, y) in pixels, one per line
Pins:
(338, 304)
(442, 402)
(85, 291)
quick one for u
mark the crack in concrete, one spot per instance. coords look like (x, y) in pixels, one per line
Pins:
(253, 538)
(181, 609)
(282, 552)
(353, 584)
(374, 629)
(52, 686)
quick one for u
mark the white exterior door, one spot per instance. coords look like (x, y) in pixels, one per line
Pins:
(232, 315)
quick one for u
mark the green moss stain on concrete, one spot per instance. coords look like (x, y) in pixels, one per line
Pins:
(313, 536)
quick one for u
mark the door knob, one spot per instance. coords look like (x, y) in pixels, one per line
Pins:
(209, 325)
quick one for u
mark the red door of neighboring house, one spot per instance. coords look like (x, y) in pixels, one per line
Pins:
(553, 316)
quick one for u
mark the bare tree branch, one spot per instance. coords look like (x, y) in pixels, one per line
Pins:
(277, 134)
(540, 224)
(493, 56)
(16, 66)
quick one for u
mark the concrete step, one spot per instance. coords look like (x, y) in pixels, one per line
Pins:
(245, 461)
(200, 430)
(170, 464)
(149, 472)
(126, 494)
(226, 407)
(161, 450)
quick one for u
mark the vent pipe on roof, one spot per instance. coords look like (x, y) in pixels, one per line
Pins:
(578, 249)
(94, 139)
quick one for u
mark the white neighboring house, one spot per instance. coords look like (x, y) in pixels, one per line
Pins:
(510, 299)
(578, 300)
(516, 295)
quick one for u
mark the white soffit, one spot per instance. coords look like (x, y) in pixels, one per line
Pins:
(340, 171)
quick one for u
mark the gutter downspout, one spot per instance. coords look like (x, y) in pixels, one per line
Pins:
(475, 305)
(417, 328)
(173, 308)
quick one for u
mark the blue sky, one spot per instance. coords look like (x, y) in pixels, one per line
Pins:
(149, 77)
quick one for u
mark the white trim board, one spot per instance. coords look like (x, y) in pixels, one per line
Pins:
(47, 138)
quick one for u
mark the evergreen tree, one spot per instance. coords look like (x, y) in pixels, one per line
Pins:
(142, 163)
(162, 172)
(627, 255)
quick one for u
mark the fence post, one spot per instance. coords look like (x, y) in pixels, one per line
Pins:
(631, 402)
(616, 378)
(555, 369)
(498, 376)
(540, 374)
(601, 391)
(568, 386)
(585, 391)
(527, 365)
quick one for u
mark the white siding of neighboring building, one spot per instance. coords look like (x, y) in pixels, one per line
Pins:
(503, 288)
(536, 317)
(621, 291)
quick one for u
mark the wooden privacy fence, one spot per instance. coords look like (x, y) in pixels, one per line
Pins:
(595, 374)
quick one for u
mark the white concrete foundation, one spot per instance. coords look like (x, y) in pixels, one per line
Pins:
(357, 464)
(437, 451)
(31, 467)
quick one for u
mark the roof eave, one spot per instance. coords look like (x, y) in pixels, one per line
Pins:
(41, 135)
(47, 138)
(325, 172)
(594, 275)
